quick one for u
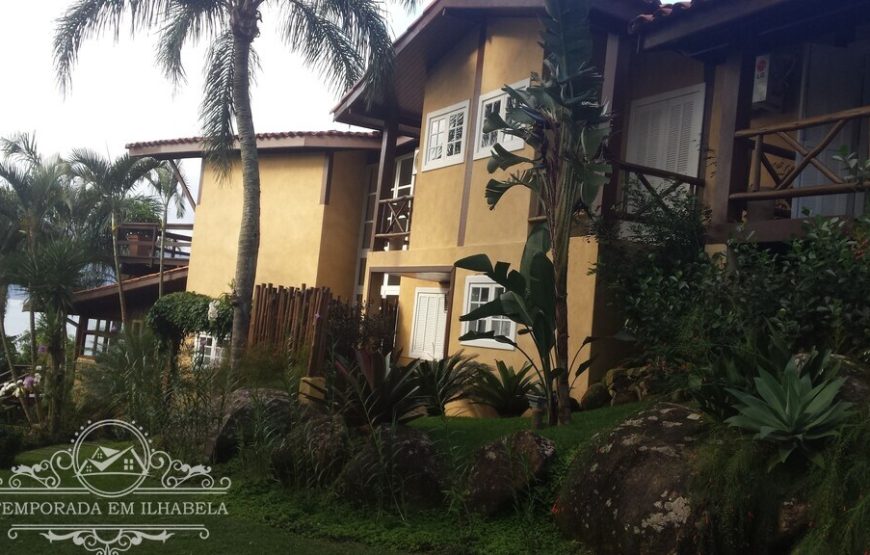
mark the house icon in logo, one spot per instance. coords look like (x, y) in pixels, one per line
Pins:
(107, 461)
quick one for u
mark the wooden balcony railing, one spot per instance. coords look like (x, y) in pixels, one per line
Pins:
(139, 244)
(394, 217)
(799, 157)
(656, 185)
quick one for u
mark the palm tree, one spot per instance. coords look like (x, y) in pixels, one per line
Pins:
(9, 239)
(114, 181)
(336, 37)
(35, 184)
(166, 183)
(52, 272)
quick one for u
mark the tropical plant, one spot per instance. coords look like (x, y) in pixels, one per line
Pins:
(445, 381)
(167, 183)
(335, 37)
(127, 380)
(527, 300)
(114, 181)
(560, 116)
(790, 412)
(377, 390)
(50, 274)
(178, 315)
(506, 391)
(35, 183)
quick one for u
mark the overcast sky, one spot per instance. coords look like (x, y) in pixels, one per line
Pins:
(119, 95)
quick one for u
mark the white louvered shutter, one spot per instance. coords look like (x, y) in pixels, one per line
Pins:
(430, 323)
(665, 131)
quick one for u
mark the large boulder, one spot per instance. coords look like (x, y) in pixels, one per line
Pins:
(245, 410)
(856, 388)
(394, 461)
(595, 397)
(505, 468)
(314, 451)
(631, 494)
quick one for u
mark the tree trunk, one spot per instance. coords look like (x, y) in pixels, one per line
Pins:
(162, 250)
(244, 31)
(58, 374)
(559, 220)
(116, 256)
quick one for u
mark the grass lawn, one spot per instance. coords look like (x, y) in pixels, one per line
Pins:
(265, 518)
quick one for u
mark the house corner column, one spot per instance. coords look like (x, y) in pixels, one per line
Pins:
(733, 98)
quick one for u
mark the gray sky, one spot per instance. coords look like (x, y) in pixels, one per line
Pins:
(119, 95)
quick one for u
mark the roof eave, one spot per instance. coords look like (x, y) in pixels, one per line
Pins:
(196, 148)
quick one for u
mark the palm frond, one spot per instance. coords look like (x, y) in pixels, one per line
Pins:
(321, 36)
(88, 18)
(364, 22)
(217, 109)
(22, 147)
(186, 20)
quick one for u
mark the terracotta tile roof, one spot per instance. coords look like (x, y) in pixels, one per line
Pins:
(263, 137)
(667, 12)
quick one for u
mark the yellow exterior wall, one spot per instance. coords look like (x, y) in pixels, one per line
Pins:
(339, 244)
(511, 54)
(293, 246)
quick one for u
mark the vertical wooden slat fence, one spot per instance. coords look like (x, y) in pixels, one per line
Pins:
(294, 319)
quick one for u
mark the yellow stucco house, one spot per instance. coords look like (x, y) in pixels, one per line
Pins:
(748, 121)
(313, 189)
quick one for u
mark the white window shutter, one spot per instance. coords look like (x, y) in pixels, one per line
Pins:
(430, 324)
(665, 131)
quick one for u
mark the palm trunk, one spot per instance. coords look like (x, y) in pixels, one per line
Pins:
(116, 256)
(559, 221)
(58, 373)
(162, 250)
(244, 31)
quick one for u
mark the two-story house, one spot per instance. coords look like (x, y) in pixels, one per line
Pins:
(743, 102)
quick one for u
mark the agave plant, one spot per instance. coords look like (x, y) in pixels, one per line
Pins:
(445, 381)
(506, 390)
(790, 411)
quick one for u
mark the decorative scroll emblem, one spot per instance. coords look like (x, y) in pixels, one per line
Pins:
(111, 460)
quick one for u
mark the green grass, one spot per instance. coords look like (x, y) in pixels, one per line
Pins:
(467, 434)
(266, 518)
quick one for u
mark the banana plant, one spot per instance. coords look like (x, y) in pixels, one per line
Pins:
(529, 301)
(791, 412)
(561, 118)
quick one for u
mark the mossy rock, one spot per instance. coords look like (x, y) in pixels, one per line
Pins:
(632, 494)
(396, 462)
(503, 469)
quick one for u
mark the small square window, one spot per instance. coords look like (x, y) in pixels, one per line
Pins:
(445, 136)
(496, 102)
(480, 290)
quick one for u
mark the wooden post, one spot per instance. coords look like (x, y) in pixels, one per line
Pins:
(734, 95)
(386, 168)
(615, 92)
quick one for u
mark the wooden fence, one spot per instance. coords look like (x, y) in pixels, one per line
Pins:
(294, 319)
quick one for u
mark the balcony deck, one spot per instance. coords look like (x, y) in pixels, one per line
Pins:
(140, 243)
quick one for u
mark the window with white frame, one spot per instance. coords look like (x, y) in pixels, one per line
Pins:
(499, 102)
(209, 351)
(445, 136)
(479, 290)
